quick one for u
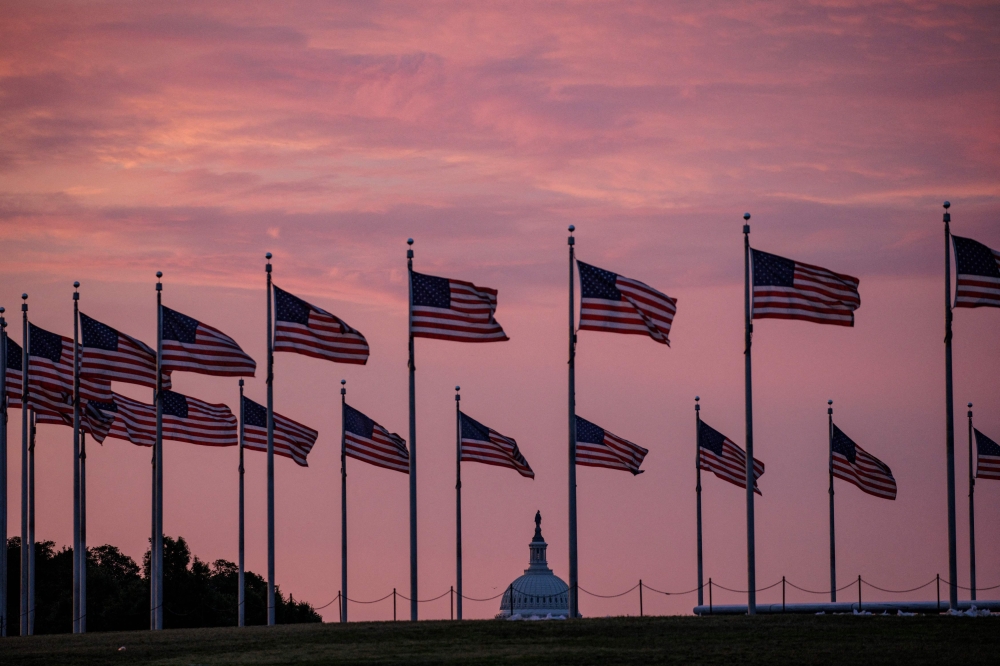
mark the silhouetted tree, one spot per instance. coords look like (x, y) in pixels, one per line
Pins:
(196, 594)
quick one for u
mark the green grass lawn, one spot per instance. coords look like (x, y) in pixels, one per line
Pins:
(845, 640)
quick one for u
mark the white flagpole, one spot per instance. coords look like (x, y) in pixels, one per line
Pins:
(76, 458)
(458, 500)
(241, 592)
(833, 534)
(748, 334)
(343, 500)
(949, 416)
(25, 426)
(156, 556)
(270, 453)
(697, 490)
(574, 597)
(83, 534)
(31, 528)
(413, 446)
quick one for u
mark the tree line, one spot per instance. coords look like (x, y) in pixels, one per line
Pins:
(197, 593)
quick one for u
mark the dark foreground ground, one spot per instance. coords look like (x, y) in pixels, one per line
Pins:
(844, 640)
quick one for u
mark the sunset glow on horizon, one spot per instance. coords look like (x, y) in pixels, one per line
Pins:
(191, 138)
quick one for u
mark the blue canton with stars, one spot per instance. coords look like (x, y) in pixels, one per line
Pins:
(175, 404)
(44, 344)
(103, 406)
(974, 258)
(588, 432)
(254, 414)
(986, 446)
(13, 355)
(97, 335)
(178, 327)
(598, 283)
(772, 270)
(357, 423)
(431, 291)
(473, 429)
(843, 445)
(711, 439)
(290, 308)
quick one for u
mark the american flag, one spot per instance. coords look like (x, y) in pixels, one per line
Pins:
(306, 329)
(112, 355)
(987, 458)
(292, 440)
(50, 366)
(370, 442)
(185, 419)
(453, 310)
(610, 302)
(854, 464)
(192, 346)
(786, 289)
(57, 409)
(486, 445)
(14, 375)
(977, 271)
(721, 456)
(596, 447)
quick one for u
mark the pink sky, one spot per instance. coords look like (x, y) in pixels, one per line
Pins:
(193, 138)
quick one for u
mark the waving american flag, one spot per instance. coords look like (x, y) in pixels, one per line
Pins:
(50, 366)
(306, 329)
(370, 442)
(453, 310)
(14, 374)
(721, 456)
(192, 346)
(291, 440)
(854, 464)
(112, 355)
(987, 458)
(596, 447)
(616, 304)
(977, 274)
(486, 445)
(185, 419)
(57, 409)
(786, 289)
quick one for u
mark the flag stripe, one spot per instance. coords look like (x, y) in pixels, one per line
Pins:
(616, 304)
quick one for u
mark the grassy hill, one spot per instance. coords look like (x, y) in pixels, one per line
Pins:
(661, 640)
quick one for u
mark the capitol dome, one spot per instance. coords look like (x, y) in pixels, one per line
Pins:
(539, 591)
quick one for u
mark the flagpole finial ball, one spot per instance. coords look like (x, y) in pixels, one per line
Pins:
(76, 284)
(697, 398)
(746, 216)
(970, 404)
(24, 297)
(572, 228)
(159, 274)
(947, 204)
(2, 309)
(343, 381)
(268, 256)
(409, 241)
(829, 402)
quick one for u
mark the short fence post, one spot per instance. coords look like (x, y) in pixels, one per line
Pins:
(640, 597)
(709, 596)
(340, 608)
(859, 593)
(939, 592)
(393, 604)
(452, 597)
(782, 594)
